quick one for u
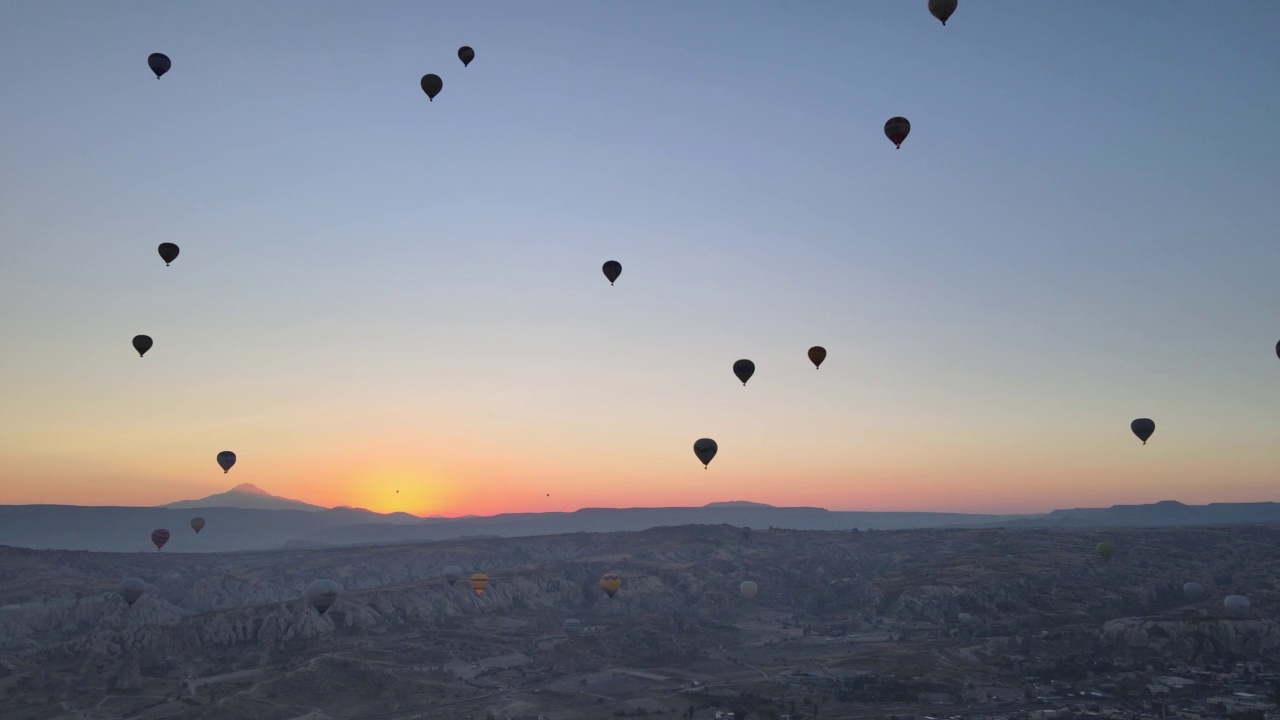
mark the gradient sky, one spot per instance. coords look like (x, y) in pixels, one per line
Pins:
(376, 292)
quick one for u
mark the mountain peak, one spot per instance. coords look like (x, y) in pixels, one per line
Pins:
(246, 495)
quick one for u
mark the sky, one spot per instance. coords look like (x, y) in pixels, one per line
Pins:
(377, 293)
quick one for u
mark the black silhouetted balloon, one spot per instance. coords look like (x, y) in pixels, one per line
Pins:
(168, 252)
(817, 354)
(159, 64)
(466, 55)
(432, 85)
(942, 9)
(142, 343)
(1278, 349)
(1143, 427)
(705, 449)
(227, 459)
(612, 270)
(744, 369)
(897, 129)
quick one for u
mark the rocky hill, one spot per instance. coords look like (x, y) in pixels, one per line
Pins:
(66, 636)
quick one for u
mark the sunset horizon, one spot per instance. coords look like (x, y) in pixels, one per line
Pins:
(393, 505)
(356, 289)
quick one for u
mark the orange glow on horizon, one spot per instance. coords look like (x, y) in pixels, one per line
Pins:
(399, 488)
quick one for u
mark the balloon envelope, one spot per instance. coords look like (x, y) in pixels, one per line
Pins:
(748, 589)
(159, 64)
(142, 343)
(226, 459)
(705, 449)
(432, 85)
(817, 354)
(479, 582)
(1106, 550)
(612, 269)
(1143, 427)
(965, 618)
(168, 252)
(1236, 604)
(744, 369)
(466, 55)
(452, 573)
(942, 9)
(322, 594)
(610, 582)
(572, 627)
(159, 537)
(197, 524)
(897, 129)
(1194, 591)
(130, 590)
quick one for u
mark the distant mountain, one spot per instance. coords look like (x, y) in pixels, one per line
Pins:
(300, 525)
(247, 496)
(753, 515)
(1161, 514)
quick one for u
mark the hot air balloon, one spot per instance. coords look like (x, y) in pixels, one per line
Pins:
(612, 269)
(466, 55)
(451, 574)
(1194, 591)
(130, 590)
(1236, 604)
(897, 129)
(965, 618)
(168, 252)
(572, 627)
(432, 85)
(226, 459)
(479, 582)
(1142, 427)
(159, 537)
(942, 9)
(142, 343)
(817, 354)
(159, 64)
(610, 582)
(322, 594)
(746, 533)
(1106, 550)
(705, 449)
(1278, 349)
(197, 524)
(744, 369)
(748, 589)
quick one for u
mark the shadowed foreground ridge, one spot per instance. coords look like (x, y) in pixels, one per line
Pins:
(864, 620)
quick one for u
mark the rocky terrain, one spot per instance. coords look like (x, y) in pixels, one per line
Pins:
(230, 635)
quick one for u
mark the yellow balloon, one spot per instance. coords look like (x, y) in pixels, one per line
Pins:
(479, 582)
(610, 582)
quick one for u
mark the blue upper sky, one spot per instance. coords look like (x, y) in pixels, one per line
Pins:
(1082, 228)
